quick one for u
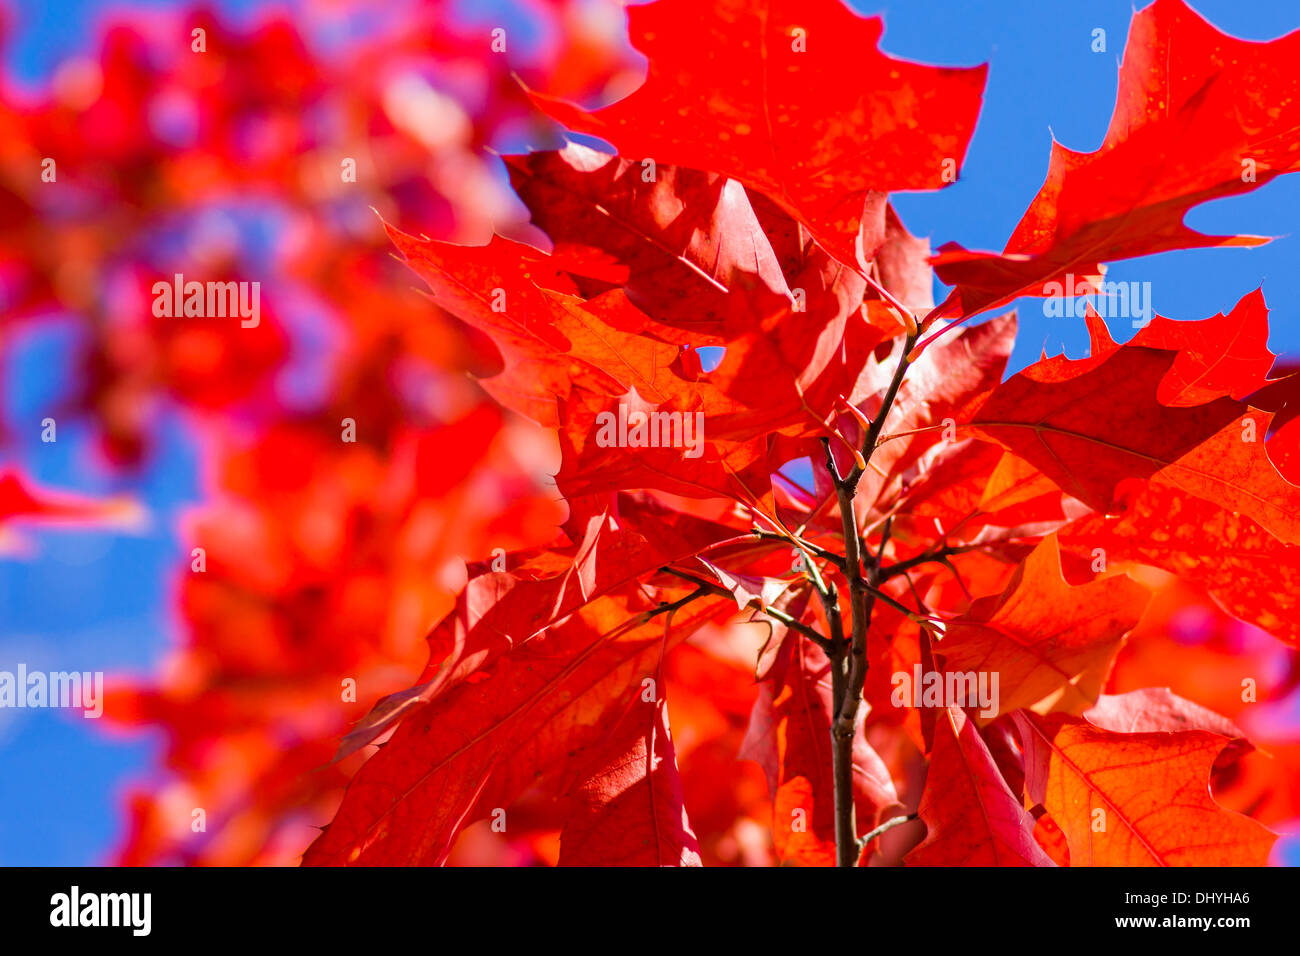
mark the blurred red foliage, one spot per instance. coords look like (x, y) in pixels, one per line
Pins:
(265, 157)
(326, 562)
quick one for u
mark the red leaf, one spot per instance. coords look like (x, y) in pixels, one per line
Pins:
(685, 246)
(1091, 424)
(1226, 354)
(481, 744)
(19, 501)
(499, 609)
(1157, 709)
(628, 810)
(628, 443)
(550, 342)
(816, 119)
(973, 817)
(1194, 107)
(1247, 571)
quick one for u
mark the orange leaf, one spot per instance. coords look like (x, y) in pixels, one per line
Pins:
(1135, 799)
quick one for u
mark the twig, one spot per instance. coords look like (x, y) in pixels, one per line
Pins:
(886, 827)
(939, 556)
(849, 664)
(803, 545)
(775, 613)
(667, 607)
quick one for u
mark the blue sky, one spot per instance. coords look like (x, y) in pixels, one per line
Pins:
(92, 600)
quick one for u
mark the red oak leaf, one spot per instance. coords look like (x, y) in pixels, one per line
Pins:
(1199, 115)
(685, 246)
(1248, 572)
(549, 342)
(1226, 354)
(795, 100)
(973, 817)
(1050, 645)
(1139, 799)
(1091, 424)
(627, 443)
(500, 608)
(1157, 709)
(628, 811)
(481, 744)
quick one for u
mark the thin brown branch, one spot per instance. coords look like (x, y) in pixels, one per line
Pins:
(667, 607)
(849, 663)
(802, 544)
(938, 556)
(886, 827)
(773, 612)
